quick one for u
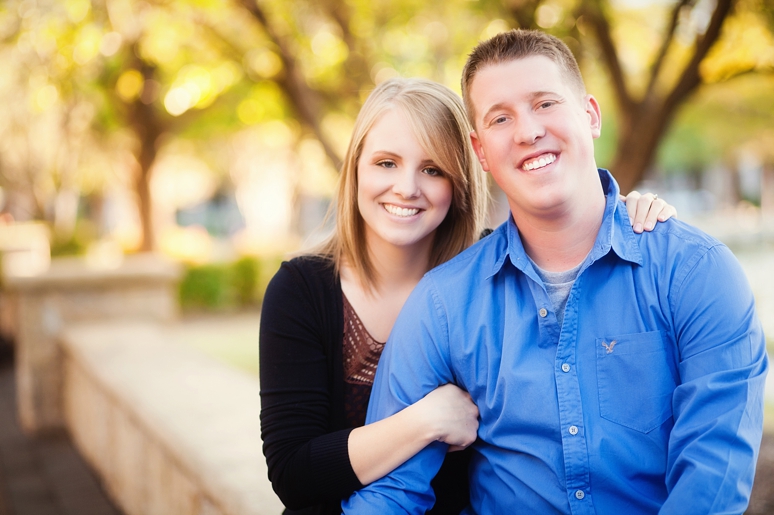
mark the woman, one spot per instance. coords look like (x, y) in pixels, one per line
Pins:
(411, 196)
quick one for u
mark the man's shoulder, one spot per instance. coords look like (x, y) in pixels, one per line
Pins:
(678, 240)
(678, 249)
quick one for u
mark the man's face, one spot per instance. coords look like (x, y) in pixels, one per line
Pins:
(534, 132)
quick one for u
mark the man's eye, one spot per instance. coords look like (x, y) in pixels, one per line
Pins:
(546, 105)
(499, 119)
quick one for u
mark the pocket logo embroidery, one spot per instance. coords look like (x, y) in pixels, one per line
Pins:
(609, 348)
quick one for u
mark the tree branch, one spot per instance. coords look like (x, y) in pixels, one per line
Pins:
(358, 71)
(523, 11)
(690, 77)
(601, 26)
(665, 44)
(302, 97)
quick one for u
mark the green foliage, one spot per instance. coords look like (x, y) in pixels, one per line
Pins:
(207, 287)
(720, 121)
(227, 286)
(74, 244)
(245, 279)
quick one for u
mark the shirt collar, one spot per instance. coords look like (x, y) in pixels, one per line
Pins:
(614, 234)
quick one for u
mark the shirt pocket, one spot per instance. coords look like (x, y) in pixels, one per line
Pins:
(635, 380)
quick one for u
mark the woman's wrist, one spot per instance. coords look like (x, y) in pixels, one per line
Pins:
(427, 428)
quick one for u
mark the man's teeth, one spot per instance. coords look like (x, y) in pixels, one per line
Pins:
(540, 162)
(400, 211)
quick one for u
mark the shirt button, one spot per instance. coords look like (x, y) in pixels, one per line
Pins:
(543, 312)
(565, 367)
(579, 494)
(574, 431)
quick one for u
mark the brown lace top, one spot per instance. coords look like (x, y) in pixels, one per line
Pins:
(361, 356)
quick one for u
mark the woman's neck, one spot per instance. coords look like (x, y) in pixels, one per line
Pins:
(397, 270)
(398, 266)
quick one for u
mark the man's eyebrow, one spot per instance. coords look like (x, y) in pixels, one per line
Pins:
(494, 107)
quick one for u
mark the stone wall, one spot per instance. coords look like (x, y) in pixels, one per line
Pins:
(169, 430)
(142, 288)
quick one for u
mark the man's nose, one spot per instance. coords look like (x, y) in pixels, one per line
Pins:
(528, 130)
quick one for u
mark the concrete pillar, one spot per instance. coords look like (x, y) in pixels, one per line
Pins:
(142, 287)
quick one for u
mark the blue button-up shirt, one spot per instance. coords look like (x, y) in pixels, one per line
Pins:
(649, 397)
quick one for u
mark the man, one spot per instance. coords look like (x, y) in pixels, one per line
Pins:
(614, 372)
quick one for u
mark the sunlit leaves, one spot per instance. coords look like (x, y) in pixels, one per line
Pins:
(87, 45)
(77, 9)
(747, 44)
(262, 63)
(45, 97)
(110, 44)
(722, 121)
(549, 14)
(264, 103)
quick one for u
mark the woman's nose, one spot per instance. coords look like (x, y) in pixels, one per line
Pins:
(406, 185)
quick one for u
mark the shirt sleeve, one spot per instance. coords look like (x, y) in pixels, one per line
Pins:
(718, 406)
(415, 361)
(308, 463)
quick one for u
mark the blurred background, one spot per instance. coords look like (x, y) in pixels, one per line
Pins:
(210, 131)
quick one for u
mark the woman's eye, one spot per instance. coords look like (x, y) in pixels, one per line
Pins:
(386, 164)
(434, 172)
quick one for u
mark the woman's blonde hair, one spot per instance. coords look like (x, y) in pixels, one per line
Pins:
(437, 119)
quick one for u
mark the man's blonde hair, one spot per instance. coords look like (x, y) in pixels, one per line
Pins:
(518, 44)
(437, 119)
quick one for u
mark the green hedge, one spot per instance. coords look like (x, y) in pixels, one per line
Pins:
(227, 286)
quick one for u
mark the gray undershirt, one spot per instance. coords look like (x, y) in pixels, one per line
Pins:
(558, 286)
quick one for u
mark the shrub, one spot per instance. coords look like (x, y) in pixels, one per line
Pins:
(227, 286)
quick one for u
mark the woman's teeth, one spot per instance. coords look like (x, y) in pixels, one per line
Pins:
(400, 211)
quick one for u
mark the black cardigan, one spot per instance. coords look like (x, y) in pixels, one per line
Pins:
(303, 424)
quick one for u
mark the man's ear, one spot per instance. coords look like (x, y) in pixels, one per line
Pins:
(479, 150)
(595, 116)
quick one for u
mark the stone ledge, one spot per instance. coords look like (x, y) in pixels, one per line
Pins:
(178, 411)
(77, 272)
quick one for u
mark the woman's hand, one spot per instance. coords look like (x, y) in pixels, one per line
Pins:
(452, 415)
(646, 210)
(446, 414)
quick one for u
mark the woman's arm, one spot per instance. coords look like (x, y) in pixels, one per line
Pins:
(447, 414)
(646, 210)
(308, 461)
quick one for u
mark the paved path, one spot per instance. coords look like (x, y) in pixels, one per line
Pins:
(42, 476)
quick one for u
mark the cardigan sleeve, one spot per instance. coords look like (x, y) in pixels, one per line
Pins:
(308, 462)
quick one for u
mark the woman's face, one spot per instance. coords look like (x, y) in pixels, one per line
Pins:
(402, 195)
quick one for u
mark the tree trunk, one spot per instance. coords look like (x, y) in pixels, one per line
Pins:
(643, 122)
(144, 121)
(639, 137)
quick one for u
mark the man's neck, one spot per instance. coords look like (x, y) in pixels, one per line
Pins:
(560, 241)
